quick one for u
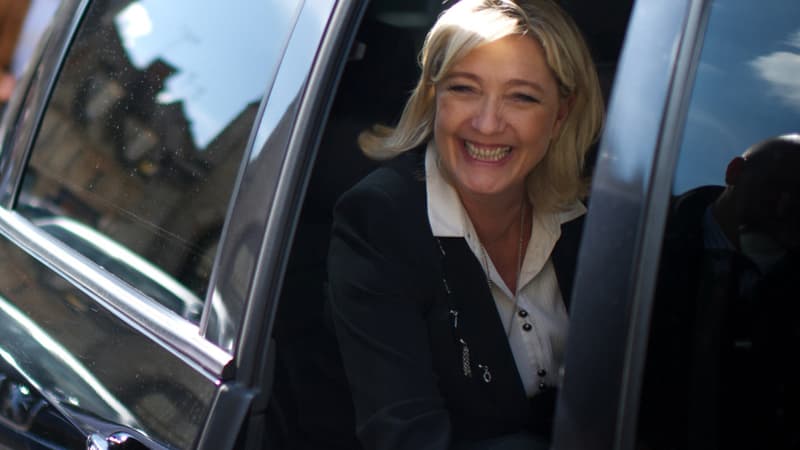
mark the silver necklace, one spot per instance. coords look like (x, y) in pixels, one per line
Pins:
(519, 266)
(454, 310)
(541, 371)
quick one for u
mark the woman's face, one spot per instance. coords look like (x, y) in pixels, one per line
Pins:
(496, 111)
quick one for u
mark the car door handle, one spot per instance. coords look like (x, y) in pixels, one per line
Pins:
(116, 441)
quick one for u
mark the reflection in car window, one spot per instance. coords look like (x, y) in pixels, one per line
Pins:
(125, 264)
(57, 370)
(144, 135)
(719, 371)
(746, 89)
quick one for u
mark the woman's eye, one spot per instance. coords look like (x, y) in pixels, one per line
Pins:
(525, 98)
(460, 88)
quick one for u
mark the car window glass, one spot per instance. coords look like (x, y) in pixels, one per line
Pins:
(719, 372)
(140, 145)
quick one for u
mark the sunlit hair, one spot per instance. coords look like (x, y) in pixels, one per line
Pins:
(557, 181)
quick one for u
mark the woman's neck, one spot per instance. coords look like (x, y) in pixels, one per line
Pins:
(504, 229)
(495, 218)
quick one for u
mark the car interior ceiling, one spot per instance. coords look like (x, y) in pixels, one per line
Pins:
(376, 81)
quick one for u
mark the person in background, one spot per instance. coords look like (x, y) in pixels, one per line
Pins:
(22, 25)
(40, 15)
(12, 16)
(451, 266)
(726, 300)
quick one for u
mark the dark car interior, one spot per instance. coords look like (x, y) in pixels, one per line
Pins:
(310, 406)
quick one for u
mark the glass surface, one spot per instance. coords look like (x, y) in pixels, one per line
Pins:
(747, 87)
(140, 146)
(720, 370)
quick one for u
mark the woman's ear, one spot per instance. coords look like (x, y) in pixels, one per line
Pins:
(564, 107)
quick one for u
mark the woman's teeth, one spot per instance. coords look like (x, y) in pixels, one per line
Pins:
(487, 153)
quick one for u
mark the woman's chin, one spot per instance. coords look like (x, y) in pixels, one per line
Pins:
(489, 188)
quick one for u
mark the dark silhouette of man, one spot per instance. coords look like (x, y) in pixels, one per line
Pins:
(721, 370)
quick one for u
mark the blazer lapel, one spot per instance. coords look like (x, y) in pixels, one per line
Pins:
(565, 257)
(491, 361)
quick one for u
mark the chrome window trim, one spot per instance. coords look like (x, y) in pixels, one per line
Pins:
(170, 331)
(604, 312)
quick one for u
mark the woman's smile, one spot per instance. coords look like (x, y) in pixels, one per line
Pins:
(486, 153)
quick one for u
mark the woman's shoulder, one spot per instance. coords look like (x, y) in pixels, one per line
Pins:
(386, 212)
(399, 181)
(388, 207)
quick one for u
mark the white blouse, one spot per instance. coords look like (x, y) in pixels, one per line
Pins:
(537, 332)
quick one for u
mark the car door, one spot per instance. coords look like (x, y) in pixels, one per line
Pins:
(682, 325)
(141, 162)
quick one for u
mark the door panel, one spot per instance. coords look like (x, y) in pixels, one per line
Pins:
(83, 358)
(28, 419)
(592, 411)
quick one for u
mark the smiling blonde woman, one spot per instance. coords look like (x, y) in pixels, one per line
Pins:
(451, 267)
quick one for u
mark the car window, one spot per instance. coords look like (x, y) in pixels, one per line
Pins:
(725, 321)
(140, 145)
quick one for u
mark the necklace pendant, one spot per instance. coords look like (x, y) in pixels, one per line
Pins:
(454, 315)
(466, 365)
(487, 376)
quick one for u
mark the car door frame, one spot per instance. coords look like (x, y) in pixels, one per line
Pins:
(630, 195)
(299, 141)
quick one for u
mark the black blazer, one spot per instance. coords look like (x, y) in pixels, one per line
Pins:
(403, 357)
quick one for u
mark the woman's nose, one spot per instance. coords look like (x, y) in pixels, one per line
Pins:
(488, 119)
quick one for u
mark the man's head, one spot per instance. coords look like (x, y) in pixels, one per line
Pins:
(764, 190)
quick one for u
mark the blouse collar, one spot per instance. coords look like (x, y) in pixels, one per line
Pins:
(448, 218)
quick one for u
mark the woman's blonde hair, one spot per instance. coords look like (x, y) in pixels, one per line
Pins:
(557, 181)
